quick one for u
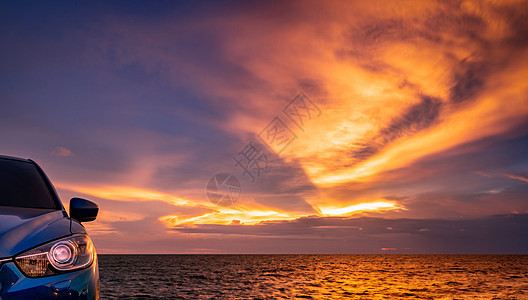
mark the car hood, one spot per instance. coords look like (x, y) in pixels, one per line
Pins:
(25, 228)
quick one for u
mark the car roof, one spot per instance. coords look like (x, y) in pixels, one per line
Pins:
(15, 158)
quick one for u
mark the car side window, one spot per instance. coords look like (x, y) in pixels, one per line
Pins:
(21, 185)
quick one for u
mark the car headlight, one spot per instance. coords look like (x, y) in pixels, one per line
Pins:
(63, 255)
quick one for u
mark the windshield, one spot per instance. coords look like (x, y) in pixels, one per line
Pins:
(21, 185)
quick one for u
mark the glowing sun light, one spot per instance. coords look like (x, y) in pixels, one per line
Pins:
(380, 205)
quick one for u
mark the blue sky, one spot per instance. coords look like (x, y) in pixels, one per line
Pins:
(136, 105)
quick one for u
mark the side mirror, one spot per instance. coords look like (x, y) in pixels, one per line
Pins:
(83, 210)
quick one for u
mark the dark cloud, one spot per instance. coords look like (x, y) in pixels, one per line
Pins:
(469, 81)
(409, 235)
(415, 119)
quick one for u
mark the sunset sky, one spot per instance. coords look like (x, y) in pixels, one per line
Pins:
(413, 137)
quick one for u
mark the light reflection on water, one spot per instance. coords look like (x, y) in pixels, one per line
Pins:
(314, 276)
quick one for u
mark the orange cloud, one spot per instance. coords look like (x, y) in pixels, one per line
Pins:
(396, 83)
(517, 177)
(61, 151)
(126, 193)
(422, 91)
(358, 208)
(226, 215)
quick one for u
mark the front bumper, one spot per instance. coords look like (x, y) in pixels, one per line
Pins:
(82, 284)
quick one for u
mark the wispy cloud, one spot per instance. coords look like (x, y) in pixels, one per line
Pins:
(61, 151)
(514, 176)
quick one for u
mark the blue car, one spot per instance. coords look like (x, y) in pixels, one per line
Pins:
(44, 254)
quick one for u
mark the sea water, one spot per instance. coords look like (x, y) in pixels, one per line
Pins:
(314, 276)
